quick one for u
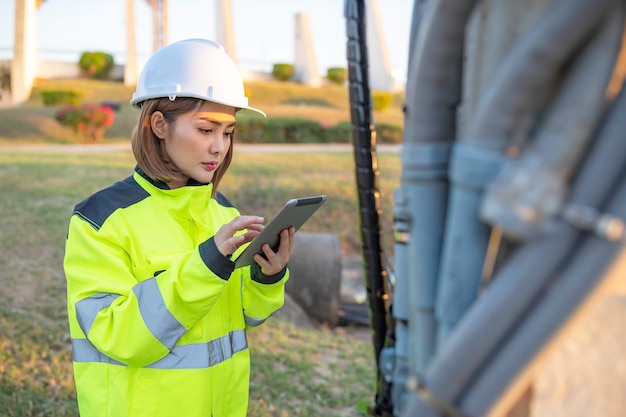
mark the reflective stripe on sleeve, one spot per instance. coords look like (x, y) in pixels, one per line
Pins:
(84, 351)
(87, 309)
(203, 355)
(193, 356)
(161, 323)
(252, 322)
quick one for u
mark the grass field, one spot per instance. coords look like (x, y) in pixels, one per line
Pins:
(295, 371)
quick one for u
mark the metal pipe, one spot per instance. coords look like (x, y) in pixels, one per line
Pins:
(494, 26)
(499, 310)
(587, 266)
(530, 190)
(402, 349)
(432, 94)
(416, 18)
(531, 64)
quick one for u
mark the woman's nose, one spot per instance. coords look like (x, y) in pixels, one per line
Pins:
(217, 146)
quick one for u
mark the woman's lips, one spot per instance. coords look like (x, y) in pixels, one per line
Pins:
(211, 166)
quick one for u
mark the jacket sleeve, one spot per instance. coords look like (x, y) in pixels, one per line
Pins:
(109, 306)
(262, 295)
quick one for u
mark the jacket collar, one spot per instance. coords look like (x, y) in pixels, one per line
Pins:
(189, 202)
(163, 186)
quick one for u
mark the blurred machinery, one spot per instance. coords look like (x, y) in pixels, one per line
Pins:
(512, 201)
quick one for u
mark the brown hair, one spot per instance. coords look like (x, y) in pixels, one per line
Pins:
(149, 150)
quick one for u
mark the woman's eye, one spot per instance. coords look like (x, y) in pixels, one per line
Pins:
(205, 131)
(229, 135)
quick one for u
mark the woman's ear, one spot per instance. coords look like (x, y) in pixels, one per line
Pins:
(158, 124)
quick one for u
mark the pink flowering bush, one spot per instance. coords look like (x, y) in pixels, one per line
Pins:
(90, 121)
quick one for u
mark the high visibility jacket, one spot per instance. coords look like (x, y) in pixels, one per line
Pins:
(157, 315)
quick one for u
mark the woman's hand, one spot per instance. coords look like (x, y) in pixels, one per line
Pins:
(225, 238)
(274, 262)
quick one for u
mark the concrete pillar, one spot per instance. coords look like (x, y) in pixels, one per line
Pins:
(130, 68)
(165, 27)
(381, 78)
(24, 63)
(159, 24)
(225, 35)
(305, 66)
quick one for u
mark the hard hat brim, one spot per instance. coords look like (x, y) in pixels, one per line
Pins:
(136, 103)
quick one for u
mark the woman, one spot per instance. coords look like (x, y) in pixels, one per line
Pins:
(157, 311)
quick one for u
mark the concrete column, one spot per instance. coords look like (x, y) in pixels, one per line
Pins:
(225, 35)
(24, 63)
(130, 68)
(159, 24)
(305, 66)
(165, 26)
(381, 78)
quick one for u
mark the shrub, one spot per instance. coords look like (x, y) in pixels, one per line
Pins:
(96, 64)
(250, 130)
(280, 130)
(306, 101)
(56, 97)
(282, 72)
(5, 78)
(336, 75)
(381, 100)
(113, 104)
(296, 130)
(90, 121)
(386, 133)
(340, 133)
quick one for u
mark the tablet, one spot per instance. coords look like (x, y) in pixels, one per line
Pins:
(294, 213)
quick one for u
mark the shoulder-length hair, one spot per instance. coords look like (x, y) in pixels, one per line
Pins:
(149, 150)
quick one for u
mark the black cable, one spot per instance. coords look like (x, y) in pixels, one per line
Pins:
(364, 140)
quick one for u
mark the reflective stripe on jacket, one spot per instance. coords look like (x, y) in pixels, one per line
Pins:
(157, 314)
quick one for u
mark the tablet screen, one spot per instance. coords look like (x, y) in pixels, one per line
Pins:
(294, 213)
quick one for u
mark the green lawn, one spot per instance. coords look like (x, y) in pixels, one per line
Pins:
(295, 371)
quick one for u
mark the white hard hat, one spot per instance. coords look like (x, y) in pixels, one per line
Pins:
(192, 68)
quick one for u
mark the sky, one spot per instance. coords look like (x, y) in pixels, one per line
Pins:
(264, 29)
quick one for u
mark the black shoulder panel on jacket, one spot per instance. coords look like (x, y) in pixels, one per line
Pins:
(223, 201)
(98, 207)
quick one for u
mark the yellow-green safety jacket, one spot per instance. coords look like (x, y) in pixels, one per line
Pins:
(157, 315)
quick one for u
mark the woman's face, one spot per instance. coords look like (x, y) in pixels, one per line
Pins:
(197, 141)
